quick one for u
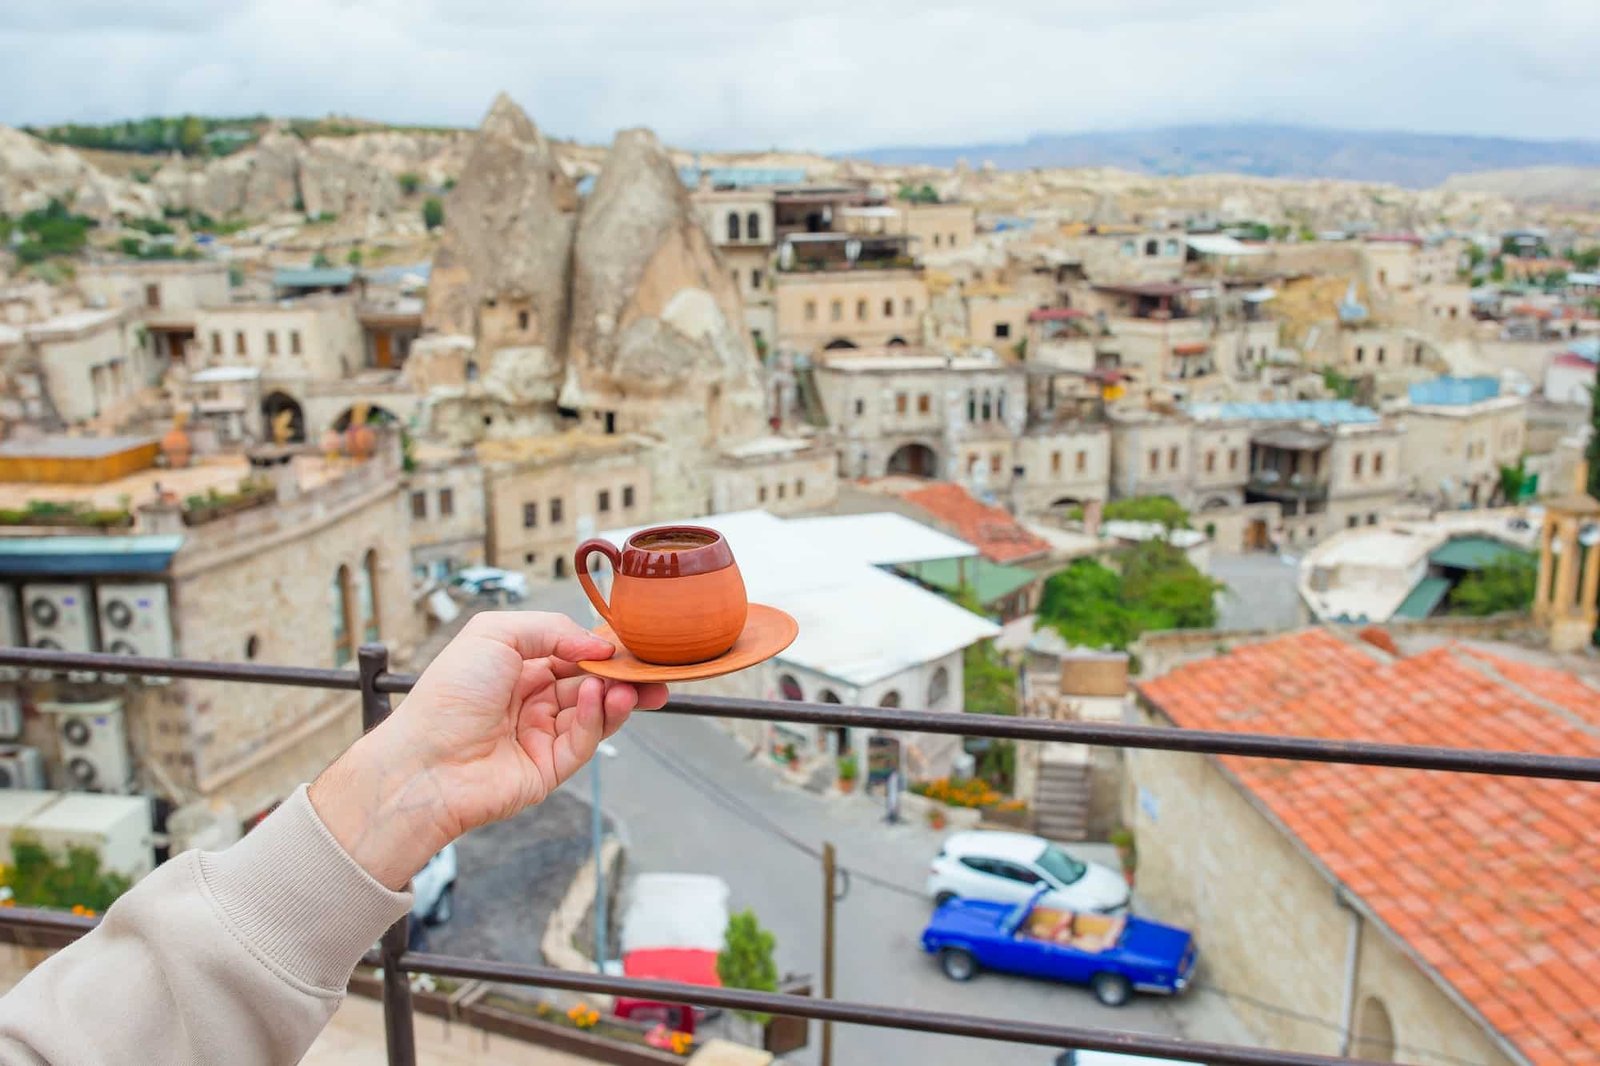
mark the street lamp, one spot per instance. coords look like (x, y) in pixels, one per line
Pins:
(607, 750)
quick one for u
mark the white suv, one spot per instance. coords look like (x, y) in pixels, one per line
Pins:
(1011, 867)
(433, 890)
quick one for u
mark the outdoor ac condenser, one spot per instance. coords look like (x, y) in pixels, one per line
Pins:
(93, 742)
(59, 617)
(21, 767)
(135, 619)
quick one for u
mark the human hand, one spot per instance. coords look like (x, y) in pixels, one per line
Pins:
(497, 721)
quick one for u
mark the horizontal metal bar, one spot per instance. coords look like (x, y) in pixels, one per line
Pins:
(1012, 1031)
(1164, 738)
(144, 666)
(1103, 734)
(37, 919)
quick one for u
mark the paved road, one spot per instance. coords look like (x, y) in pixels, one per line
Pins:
(674, 790)
(1261, 592)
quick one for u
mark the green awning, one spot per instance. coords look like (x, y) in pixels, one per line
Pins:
(1422, 600)
(1471, 553)
(991, 581)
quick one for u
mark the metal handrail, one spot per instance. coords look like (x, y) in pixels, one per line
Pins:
(376, 683)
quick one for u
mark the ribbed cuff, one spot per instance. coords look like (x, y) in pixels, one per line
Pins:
(297, 897)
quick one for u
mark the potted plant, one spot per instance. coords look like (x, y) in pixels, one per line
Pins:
(1122, 837)
(849, 770)
(936, 818)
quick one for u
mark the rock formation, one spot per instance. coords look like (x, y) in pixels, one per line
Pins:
(657, 328)
(500, 274)
(32, 173)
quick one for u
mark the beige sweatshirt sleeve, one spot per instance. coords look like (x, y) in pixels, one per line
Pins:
(239, 956)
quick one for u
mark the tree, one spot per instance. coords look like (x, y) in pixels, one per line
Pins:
(1084, 604)
(320, 261)
(1514, 481)
(1506, 584)
(1342, 387)
(1591, 452)
(191, 135)
(746, 959)
(1091, 605)
(410, 182)
(1162, 509)
(432, 212)
(39, 879)
(355, 257)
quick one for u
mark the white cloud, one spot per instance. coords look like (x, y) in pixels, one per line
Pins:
(827, 74)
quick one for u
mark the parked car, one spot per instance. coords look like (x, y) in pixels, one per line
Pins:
(433, 890)
(1012, 867)
(493, 582)
(1114, 955)
(673, 926)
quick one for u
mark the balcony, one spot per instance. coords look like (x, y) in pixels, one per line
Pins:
(1270, 485)
(376, 684)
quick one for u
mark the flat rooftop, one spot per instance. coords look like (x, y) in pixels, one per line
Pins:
(220, 472)
(1322, 412)
(70, 447)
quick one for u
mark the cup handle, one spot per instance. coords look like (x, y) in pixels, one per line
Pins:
(580, 562)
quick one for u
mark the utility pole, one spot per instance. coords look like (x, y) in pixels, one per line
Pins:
(832, 893)
(596, 842)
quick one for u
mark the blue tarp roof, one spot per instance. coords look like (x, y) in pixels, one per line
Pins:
(1455, 392)
(1323, 412)
(86, 556)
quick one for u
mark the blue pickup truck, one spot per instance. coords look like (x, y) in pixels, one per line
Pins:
(1113, 954)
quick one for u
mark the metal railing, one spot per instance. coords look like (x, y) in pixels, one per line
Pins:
(376, 684)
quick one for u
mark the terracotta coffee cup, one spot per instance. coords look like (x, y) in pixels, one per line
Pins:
(676, 596)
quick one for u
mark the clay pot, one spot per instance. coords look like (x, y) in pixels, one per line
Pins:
(677, 596)
(360, 441)
(177, 448)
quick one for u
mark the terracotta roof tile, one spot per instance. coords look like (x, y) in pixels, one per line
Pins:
(1491, 880)
(997, 536)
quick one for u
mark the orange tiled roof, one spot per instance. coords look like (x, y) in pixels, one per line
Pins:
(1492, 881)
(995, 533)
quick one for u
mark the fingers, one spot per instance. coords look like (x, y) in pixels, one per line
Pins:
(576, 744)
(651, 697)
(535, 634)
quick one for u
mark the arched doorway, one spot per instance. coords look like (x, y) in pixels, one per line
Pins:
(839, 344)
(376, 416)
(1374, 1032)
(890, 699)
(789, 687)
(836, 738)
(897, 342)
(917, 460)
(1216, 503)
(277, 403)
(938, 689)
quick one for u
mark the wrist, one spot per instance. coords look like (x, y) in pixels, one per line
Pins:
(383, 808)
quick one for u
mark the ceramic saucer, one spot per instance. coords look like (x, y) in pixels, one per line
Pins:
(767, 631)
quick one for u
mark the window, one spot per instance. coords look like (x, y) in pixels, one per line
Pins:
(522, 321)
(936, 240)
(924, 404)
(1055, 462)
(294, 342)
(529, 558)
(369, 597)
(1062, 868)
(603, 501)
(789, 688)
(152, 295)
(988, 405)
(972, 405)
(1361, 354)
(861, 310)
(752, 226)
(560, 568)
(342, 650)
(861, 408)
(1081, 463)
(1012, 871)
(555, 511)
(799, 486)
(982, 866)
(447, 502)
(836, 310)
(811, 310)
(216, 342)
(972, 462)
(1353, 521)
(994, 464)
(419, 505)
(1172, 457)
(756, 275)
(1152, 247)
(909, 306)
(627, 496)
(1155, 459)
(1372, 519)
(951, 240)
(888, 307)
(1357, 463)
(1233, 458)
(1002, 330)
(272, 342)
(1377, 463)
(938, 687)
(239, 345)
(1171, 247)
(899, 403)
(1211, 461)
(782, 490)
(761, 494)
(530, 515)
(733, 225)
(1380, 355)
(1128, 248)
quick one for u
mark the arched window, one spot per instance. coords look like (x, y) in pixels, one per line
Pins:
(789, 687)
(938, 688)
(343, 646)
(827, 695)
(370, 630)
(1000, 406)
(1172, 247)
(988, 405)
(1152, 247)
(733, 225)
(890, 699)
(1374, 1032)
(972, 405)
(560, 569)
(752, 226)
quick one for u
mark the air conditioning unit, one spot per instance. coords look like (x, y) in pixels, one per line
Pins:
(117, 828)
(21, 767)
(10, 717)
(58, 618)
(135, 620)
(93, 742)
(10, 630)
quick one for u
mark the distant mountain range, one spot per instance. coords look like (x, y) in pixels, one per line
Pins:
(1418, 160)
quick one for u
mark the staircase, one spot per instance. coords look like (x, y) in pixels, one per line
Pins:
(805, 383)
(1061, 800)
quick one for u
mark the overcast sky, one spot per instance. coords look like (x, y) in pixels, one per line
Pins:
(819, 74)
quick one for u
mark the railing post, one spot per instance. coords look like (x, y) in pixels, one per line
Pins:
(372, 660)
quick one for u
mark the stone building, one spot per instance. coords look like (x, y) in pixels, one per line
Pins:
(448, 507)
(1363, 907)
(781, 475)
(1459, 433)
(862, 307)
(296, 562)
(163, 294)
(78, 368)
(937, 228)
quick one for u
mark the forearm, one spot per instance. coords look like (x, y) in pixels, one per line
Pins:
(238, 956)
